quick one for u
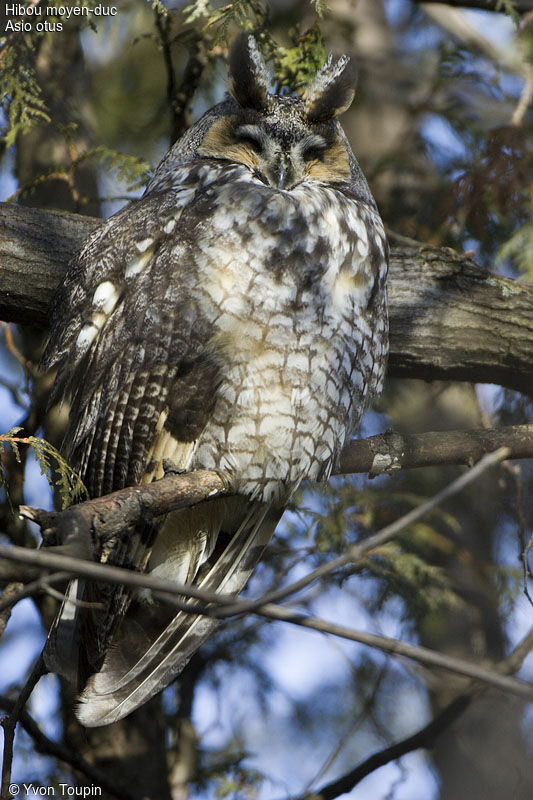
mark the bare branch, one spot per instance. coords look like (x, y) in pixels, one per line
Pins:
(9, 723)
(391, 451)
(357, 551)
(48, 747)
(43, 584)
(10, 596)
(213, 601)
(425, 737)
(450, 318)
(179, 97)
(423, 655)
(104, 516)
(430, 658)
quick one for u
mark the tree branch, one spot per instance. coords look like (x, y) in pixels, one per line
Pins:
(387, 452)
(214, 604)
(450, 319)
(104, 516)
(9, 723)
(48, 747)
(390, 451)
(425, 737)
(521, 6)
(170, 589)
(360, 549)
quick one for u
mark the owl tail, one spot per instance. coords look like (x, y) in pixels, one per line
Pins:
(153, 643)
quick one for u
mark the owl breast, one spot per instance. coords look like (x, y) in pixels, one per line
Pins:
(290, 281)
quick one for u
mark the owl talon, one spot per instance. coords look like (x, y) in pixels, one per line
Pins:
(75, 545)
(171, 468)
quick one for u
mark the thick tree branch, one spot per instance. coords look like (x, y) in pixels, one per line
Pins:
(105, 516)
(450, 318)
(64, 531)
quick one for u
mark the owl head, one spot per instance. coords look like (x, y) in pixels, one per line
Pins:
(283, 140)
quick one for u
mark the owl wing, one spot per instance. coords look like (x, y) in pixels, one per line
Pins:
(127, 331)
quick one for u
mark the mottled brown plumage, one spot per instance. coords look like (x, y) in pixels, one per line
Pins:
(233, 318)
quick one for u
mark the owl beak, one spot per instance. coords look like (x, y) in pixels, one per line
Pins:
(282, 174)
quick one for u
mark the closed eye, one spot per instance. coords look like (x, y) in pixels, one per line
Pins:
(314, 154)
(313, 148)
(251, 136)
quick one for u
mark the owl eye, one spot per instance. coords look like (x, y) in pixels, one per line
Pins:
(312, 148)
(314, 154)
(251, 139)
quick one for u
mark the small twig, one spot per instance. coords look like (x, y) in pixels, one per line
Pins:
(526, 543)
(423, 655)
(514, 472)
(27, 365)
(9, 723)
(33, 588)
(356, 724)
(70, 601)
(105, 573)
(178, 97)
(16, 393)
(163, 22)
(524, 102)
(425, 737)
(520, 6)
(212, 600)
(8, 600)
(512, 663)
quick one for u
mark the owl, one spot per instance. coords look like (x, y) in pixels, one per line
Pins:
(233, 318)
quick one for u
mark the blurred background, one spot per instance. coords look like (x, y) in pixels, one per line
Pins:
(442, 128)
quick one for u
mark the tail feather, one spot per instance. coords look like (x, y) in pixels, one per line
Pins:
(153, 644)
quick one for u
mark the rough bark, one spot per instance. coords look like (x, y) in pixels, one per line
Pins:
(450, 318)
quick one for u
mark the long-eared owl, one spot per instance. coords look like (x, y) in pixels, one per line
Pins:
(233, 318)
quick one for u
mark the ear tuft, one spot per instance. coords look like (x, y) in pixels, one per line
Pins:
(248, 79)
(332, 90)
